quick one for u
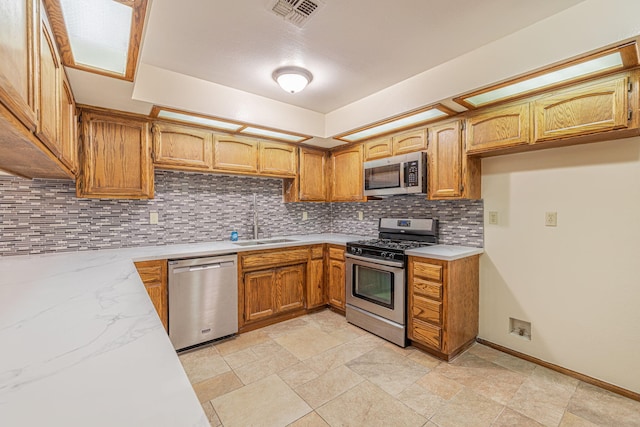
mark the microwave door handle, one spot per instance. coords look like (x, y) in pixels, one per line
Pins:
(405, 174)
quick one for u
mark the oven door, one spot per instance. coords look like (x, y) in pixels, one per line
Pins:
(376, 286)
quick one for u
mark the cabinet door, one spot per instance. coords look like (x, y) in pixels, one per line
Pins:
(409, 142)
(378, 149)
(235, 154)
(312, 175)
(278, 159)
(18, 63)
(259, 294)
(337, 283)
(290, 288)
(182, 147)
(154, 277)
(68, 128)
(315, 278)
(499, 128)
(116, 157)
(584, 110)
(445, 161)
(346, 175)
(50, 84)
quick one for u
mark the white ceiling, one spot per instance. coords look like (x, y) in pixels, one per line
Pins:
(354, 48)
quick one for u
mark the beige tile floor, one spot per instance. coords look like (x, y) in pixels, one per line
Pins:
(318, 370)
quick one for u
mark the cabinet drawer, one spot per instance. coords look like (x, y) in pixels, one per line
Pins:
(427, 310)
(428, 271)
(427, 288)
(317, 252)
(336, 253)
(262, 259)
(426, 334)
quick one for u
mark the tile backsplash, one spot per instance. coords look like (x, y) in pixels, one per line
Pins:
(38, 216)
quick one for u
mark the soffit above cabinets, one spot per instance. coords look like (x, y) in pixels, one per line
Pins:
(357, 51)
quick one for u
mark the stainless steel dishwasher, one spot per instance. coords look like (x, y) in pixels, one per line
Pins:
(203, 299)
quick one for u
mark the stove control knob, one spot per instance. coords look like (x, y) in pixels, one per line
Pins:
(390, 255)
(357, 251)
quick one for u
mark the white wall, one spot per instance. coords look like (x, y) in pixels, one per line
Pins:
(578, 283)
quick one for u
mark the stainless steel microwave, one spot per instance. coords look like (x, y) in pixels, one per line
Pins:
(405, 174)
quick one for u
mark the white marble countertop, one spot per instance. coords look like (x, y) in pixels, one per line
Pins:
(82, 344)
(445, 252)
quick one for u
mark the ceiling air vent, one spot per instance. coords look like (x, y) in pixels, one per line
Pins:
(298, 12)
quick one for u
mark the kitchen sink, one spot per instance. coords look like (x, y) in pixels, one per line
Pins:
(263, 242)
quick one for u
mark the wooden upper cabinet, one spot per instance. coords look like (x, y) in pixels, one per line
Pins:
(503, 127)
(452, 175)
(115, 157)
(182, 147)
(378, 148)
(68, 127)
(19, 23)
(347, 174)
(409, 142)
(277, 159)
(445, 161)
(585, 109)
(312, 180)
(235, 154)
(50, 84)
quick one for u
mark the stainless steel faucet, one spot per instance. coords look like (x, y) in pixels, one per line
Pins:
(255, 218)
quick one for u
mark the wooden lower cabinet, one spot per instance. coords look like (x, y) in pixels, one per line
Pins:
(154, 277)
(336, 286)
(443, 304)
(259, 294)
(316, 295)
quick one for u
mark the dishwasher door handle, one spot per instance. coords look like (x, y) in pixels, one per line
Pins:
(203, 267)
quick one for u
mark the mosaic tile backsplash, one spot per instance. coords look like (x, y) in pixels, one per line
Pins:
(38, 216)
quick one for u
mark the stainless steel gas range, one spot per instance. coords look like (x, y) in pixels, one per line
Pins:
(376, 276)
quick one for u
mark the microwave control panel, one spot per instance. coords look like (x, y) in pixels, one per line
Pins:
(412, 173)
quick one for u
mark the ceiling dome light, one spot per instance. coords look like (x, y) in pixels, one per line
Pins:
(292, 79)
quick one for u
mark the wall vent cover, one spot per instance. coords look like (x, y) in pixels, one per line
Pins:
(298, 12)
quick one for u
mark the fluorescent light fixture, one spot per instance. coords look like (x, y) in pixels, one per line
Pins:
(273, 134)
(99, 33)
(572, 72)
(226, 126)
(397, 124)
(292, 79)
(218, 124)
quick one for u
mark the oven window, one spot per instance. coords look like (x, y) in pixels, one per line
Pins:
(382, 177)
(373, 285)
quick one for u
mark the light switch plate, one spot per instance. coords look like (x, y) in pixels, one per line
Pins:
(305, 216)
(360, 215)
(493, 217)
(153, 218)
(551, 219)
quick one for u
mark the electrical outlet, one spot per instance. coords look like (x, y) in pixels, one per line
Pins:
(305, 216)
(551, 219)
(360, 215)
(153, 218)
(493, 218)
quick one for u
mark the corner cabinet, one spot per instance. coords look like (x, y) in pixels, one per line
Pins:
(154, 277)
(115, 156)
(443, 304)
(452, 175)
(182, 148)
(347, 174)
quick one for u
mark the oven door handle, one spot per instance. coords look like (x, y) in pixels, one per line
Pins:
(398, 264)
